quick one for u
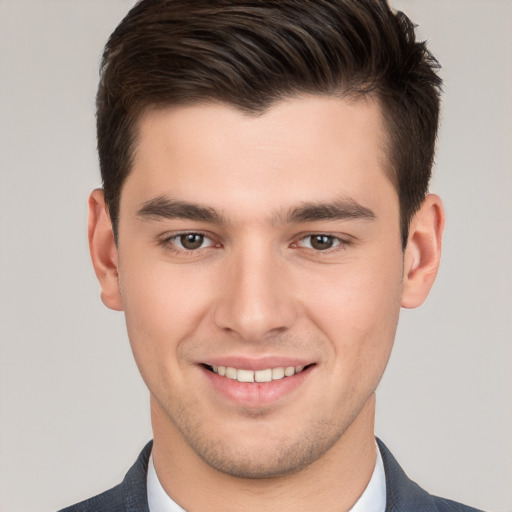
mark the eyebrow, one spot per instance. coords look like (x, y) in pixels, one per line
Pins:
(342, 209)
(167, 208)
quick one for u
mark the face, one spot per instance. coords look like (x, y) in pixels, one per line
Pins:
(260, 271)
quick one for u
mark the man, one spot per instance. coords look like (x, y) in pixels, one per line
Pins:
(265, 214)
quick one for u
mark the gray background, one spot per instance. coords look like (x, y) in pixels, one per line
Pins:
(73, 409)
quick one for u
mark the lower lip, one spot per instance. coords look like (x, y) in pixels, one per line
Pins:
(254, 394)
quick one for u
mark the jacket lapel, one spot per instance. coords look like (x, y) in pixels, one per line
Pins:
(134, 485)
(402, 494)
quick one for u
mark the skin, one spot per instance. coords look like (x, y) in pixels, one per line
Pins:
(258, 292)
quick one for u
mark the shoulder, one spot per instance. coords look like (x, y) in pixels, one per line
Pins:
(444, 505)
(111, 500)
(402, 494)
(129, 496)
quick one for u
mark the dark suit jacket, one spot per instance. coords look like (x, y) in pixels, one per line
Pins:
(403, 495)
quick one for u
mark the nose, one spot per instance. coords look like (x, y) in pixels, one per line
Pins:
(256, 299)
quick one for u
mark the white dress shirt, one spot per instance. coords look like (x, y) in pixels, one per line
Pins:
(373, 498)
(158, 499)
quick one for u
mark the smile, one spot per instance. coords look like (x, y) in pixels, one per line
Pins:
(266, 375)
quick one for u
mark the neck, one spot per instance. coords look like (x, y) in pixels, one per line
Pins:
(335, 481)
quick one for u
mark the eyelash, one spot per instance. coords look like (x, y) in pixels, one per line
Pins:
(170, 243)
(338, 242)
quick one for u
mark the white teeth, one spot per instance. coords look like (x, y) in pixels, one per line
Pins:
(263, 375)
(231, 373)
(245, 376)
(277, 373)
(256, 376)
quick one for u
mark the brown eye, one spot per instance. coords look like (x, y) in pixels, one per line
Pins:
(321, 242)
(191, 241)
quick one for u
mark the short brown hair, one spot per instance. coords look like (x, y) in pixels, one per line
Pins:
(251, 53)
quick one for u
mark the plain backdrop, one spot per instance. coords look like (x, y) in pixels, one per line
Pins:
(73, 410)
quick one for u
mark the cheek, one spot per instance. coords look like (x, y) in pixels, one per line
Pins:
(163, 306)
(357, 308)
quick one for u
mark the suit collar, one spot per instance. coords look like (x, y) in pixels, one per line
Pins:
(134, 485)
(401, 492)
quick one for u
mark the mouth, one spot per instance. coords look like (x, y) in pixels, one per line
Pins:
(257, 382)
(257, 376)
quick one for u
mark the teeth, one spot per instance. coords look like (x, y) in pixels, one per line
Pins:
(263, 375)
(277, 373)
(245, 376)
(231, 373)
(289, 371)
(257, 376)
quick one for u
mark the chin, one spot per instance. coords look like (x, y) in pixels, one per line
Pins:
(261, 465)
(265, 456)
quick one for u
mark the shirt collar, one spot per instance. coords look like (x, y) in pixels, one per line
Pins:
(374, 496)
(158, 499)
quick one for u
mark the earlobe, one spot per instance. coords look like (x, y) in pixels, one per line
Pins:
(423, 252)
(103, 250)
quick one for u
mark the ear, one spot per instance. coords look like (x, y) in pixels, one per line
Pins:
(423, 252)
(103, 250)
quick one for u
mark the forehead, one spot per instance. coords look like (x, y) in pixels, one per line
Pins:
(314, 146)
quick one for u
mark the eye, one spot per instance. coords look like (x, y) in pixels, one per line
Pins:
(319, 242)
(189, 241)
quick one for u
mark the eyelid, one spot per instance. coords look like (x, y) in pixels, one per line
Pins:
(335, 239)
(168, 241)
(340, 242)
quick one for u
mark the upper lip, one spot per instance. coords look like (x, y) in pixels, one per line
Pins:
(255, 364)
